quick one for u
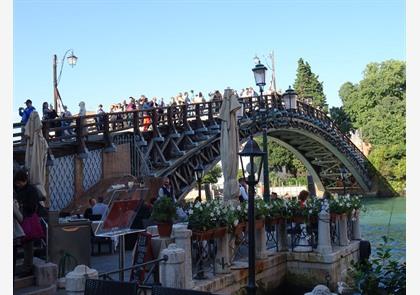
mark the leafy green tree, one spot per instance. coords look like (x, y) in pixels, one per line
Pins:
(377, 107)
(279, 157)
(213, 175)
(308, 84)
(377, 104)
(340, 117)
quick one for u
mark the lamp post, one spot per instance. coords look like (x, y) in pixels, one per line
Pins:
(259, 75)
(290, 96)
(252, 152)
(72, 60)
(198, 173)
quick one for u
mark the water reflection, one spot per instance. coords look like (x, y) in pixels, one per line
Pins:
(374, 223)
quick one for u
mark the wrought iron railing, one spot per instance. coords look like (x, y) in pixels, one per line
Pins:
(147, 282)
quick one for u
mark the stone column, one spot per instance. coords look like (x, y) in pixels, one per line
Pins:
(231, 245)
(342, 225)
(303, 244)
(324, 235)
(281, 235)
(172, 271)
(260, 244)
(356, 226)
(222, 264)
(182, 237)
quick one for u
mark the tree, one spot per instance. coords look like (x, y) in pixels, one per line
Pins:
(212, 175)
(341, 119)
(308, 84)
(376, 106)
(279, 157)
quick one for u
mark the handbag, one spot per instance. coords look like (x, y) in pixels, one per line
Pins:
(32, 227)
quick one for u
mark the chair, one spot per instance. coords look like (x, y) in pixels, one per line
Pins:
(159, 290)
(105, 287)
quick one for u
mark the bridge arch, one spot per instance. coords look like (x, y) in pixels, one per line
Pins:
(181, 136)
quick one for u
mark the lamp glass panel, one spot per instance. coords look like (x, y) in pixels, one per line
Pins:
(72, 60)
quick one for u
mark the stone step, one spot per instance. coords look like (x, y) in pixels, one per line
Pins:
(20, 283)
(35, 290)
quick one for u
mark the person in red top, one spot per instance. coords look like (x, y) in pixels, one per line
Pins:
(302, 197)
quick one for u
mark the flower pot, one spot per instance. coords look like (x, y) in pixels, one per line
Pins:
(220, 232)
(334, 216)
(239, 229)
(202, 235)
(164, 229)
(259, 223)
(298, 219)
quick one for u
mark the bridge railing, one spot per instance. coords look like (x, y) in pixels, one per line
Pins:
(176, 117)
(76, 128)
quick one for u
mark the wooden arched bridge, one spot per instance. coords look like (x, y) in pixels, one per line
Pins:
(173, 140)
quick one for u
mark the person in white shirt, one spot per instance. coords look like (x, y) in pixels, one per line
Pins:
(100, 208)
(243, 195)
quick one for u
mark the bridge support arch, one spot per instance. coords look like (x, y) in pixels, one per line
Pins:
(319, 187)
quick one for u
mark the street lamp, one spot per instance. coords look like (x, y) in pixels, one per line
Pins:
(259, 75)
(198, 173)
(290, 96)
(251, 153)
(72, 60)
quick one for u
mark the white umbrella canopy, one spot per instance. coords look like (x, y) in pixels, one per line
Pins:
(36, 152)
(229, 144)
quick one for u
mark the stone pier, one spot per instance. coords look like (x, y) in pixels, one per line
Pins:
(304, 269)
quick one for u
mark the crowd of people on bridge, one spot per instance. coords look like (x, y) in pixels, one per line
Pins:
(131, 104)
(120, 120)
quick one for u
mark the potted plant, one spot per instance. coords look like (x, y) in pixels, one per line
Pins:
(201, 221)
(262, 210)
(164, 211)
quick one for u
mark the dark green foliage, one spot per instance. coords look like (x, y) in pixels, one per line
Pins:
(212, 175)
(381, 274)
(376, 106)
(279, 157)
(307, 84)
(164, 210)
(341, 119)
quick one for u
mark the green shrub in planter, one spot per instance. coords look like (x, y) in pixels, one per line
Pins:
(164, 210)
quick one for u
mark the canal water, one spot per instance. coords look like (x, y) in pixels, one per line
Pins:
(385, 216)
(381, 217)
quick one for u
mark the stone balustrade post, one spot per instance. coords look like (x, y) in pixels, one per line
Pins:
(342, 227)
(222, 264)
(356, 226)
(172, 271)
(182, 236)
(324, 235)
(281, 235)
(260, 244)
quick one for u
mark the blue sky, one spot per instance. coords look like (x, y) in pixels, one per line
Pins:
(159, 48)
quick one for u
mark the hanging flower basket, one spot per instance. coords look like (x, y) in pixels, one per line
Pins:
(203, 235)
(220, 232)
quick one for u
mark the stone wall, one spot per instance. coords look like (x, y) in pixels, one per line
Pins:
(303, 269)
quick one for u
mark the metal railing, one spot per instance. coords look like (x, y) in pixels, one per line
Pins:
(144, 283)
